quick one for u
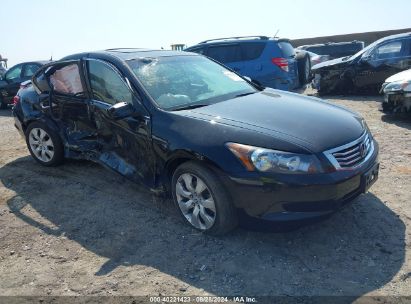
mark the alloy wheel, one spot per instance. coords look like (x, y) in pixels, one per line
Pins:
(41, 144)
(195, 201)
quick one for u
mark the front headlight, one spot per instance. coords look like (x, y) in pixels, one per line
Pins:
(397, 86)
(266, 160)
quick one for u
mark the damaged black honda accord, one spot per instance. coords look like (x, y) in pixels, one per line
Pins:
(184, 125)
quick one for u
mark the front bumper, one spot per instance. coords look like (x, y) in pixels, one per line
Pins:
(397, 102)
(298, 197)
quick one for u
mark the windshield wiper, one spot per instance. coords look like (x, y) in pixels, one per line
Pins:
(189, 107)
(244, 94)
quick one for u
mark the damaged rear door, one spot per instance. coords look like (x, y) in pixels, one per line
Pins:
(123, 124)
(70, 107)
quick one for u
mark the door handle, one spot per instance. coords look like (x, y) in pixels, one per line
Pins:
(43, 106)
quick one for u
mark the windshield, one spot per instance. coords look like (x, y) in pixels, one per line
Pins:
(366, 50)
(178, 82)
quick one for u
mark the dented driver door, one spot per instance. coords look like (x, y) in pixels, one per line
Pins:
(125, 140)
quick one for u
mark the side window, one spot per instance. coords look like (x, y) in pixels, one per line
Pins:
(14, 73)
(252, 50)
(106, 84)
(225, 53)
(388, 50)
(30, 69)
(66, 80)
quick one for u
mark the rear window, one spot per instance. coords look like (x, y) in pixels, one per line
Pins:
(287, 49)
(225, 53)
(251, 50)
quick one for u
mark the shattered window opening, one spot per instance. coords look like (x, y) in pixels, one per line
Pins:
(67, 80)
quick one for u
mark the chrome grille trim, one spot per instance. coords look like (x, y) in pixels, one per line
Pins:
(348, 156)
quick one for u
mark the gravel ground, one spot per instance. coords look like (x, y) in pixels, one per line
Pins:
(81, 230)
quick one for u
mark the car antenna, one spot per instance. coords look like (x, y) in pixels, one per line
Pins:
(276, 33)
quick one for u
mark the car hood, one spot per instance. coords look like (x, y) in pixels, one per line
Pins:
(304, 121)
(404, 75)
(331, 63)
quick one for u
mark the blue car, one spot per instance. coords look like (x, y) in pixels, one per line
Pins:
(269, 62)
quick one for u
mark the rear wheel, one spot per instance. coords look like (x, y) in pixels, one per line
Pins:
(202, 200)
(44, 144)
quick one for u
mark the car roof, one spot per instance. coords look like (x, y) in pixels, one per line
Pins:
(125, 54)
(240, 39)
(42, 62)
(396, 36)
(130, 53)
(336, 44)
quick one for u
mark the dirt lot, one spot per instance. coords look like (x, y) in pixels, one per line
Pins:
(81, 230)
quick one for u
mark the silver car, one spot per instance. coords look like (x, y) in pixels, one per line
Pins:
(397, 92)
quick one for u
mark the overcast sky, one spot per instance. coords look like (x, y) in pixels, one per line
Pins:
(38, 29)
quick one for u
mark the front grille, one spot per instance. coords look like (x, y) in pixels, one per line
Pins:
(352, 154)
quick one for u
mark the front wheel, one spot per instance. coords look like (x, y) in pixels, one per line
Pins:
(44, 144)
(202, 200)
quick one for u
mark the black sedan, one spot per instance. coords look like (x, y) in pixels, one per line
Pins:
(183, 124)
(11, 80)
(366, 70)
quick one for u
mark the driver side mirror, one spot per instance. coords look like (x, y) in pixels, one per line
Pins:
(120, 110)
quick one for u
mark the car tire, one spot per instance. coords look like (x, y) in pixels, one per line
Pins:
(44, 144)
(304, 69)
(202, 200)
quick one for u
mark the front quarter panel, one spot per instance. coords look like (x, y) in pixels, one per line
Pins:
(178, 135)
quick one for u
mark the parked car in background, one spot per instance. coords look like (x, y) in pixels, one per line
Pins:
(10, 82)
(3, 67)
(397, 93)
(334, 50)
(316, 59)
(183, 124)
(367, 70)
(306, 60)
(269, 62)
